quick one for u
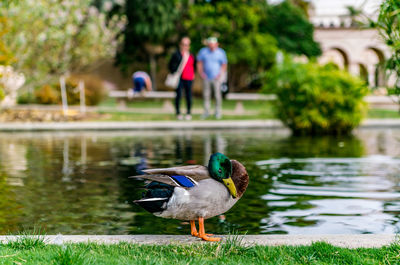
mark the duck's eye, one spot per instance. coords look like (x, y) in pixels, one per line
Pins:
(219, 170)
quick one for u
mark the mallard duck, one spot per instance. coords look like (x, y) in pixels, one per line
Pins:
(195, 192)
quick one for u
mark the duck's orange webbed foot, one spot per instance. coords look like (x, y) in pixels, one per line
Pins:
(202, 233)
(211, 239)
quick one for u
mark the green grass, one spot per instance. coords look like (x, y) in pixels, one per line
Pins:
(383, 114)
(126, 116)
(27, 240)
(230, 252)
(257, 109)
(197, 103)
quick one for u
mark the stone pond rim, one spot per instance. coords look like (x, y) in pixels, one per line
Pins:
(171, 125)
(340, 240)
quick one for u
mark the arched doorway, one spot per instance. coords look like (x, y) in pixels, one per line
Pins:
(374, 60)
(335, 55)
(363, 72)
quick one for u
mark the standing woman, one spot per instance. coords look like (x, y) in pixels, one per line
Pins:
(183, 55)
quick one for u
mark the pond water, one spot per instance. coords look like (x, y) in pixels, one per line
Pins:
(77, 182)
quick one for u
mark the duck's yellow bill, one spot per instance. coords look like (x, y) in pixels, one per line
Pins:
(231, 186)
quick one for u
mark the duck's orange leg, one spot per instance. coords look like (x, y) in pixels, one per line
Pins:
(193, 229)
(202, 233)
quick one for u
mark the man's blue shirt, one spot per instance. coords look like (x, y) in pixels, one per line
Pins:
(212, 61)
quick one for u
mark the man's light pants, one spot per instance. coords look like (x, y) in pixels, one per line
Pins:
(216, 84)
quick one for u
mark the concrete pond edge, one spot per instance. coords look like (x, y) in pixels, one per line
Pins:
(340, 240)
(170, 125)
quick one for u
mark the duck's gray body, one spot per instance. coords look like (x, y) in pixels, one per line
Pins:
(198, 195)
(207, 199)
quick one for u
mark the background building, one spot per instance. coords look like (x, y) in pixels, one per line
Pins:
(343, 41)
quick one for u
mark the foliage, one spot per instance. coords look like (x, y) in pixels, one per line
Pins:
(47, 95)
(314, 99)
(161, 13)
(5, 55)
(148, 22)
(1, 92)
(94, 91)
(236, 24)
(25, 97)
(304, 5)
(291, 28)
(50, 38)
(389, 26)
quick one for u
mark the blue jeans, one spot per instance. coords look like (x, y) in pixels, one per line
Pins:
(138, 84)
(187, 86)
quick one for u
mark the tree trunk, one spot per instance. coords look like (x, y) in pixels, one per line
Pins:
(153, 50)
(153, 70)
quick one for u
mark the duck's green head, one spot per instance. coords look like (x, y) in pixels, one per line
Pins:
(220, 169)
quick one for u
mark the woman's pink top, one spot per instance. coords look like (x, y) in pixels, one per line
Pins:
(188, 70)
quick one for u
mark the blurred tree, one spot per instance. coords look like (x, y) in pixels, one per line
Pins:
(5, 54)
(388, 25)
(51, 38)
(303, 5)
(236, 24)
(291, 28)
(356, 16)
(150, 24)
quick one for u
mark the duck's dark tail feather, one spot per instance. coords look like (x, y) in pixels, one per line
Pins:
(156, 197)
(152, 205)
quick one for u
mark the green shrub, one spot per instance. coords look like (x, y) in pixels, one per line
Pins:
(26, 98)
(1, 93)
(314, 99)
(47, 95)
(94, 91)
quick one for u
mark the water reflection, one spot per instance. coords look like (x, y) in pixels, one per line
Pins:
(338, 194)
(77, 182)
(10, 210)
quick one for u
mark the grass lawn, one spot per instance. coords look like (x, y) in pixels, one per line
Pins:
(257, 110)
(383, 114)
(196, 104)
(35, 251)
(131, 116)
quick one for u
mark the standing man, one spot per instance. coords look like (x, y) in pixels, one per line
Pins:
(211, 64)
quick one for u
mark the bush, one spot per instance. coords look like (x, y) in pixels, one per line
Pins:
(26, 98)
(94, 91)
(1, 92)
(47, 95)
(314, 99)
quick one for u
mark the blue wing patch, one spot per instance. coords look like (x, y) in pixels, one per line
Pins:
(183, 181)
